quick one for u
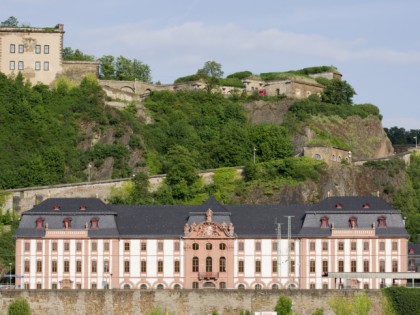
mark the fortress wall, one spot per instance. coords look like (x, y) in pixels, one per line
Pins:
(178, 302)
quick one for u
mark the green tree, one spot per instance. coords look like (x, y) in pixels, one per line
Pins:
(340, 305)
(10, 22)
(70, 54)
(107, 67)
(283, 306)
(211, 73)
(318, 311)
(361, 305)
(130, 70)
(338, 92)
(19, 306)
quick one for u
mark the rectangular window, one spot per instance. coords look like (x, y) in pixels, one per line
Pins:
(222, 264)
(54, 286)
(106, 246)
(94, 267)
(160, 246)
(12, 48)
(365, 246)
(38, 266)
(54, 266)
(143, 247)
(292, 266)
(106, 265)
(241, 246)
(66, 246)
(143, 266)
(126, 246)
(26, 286)
(312, 266)
(21, 65)
(341, 266)
(177, 246)
(46, 66)
(21, 49)
(353, 266)
(27, 246)
(27, 266)
(78, 286)
(292, 246)
(93, 286)
(195, 285)
(66, 266)
(241, 266)
(94, 246)
(126, 266)
(37, 49)
(325, 246)
(325, 266)
(176, 266)
(312, 246)
(395, 246)
(340, 246)
(257, 246)
(78, 266)
(160, 266)
(39, 247)
(274, 246)
(353, 246)
(54, 246)
(274, 266)
(366, 266)
(46, 49)
(382, 246)
(382, 266)
(12, 65)
(366, 286)
(394, 266)
(39, 286)
(258, 266)
(325, 286)
(79, 246)
(312, 286)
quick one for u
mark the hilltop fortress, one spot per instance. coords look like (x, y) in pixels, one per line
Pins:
(37, 53)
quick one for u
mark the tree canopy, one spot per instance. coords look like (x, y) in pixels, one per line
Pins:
(70, 54)
(123, 69)
(10, 22)
(211, 73)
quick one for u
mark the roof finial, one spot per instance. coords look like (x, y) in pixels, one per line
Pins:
(209, 215)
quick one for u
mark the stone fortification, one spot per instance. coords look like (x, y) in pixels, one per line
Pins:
(225, 302)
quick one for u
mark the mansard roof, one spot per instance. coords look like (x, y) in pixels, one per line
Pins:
(249, 221)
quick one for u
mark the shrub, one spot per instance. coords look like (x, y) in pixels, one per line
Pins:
(318, 311)
(361, 305)
(340, 305)
(403, 300)
(19, 307)
(283, 306)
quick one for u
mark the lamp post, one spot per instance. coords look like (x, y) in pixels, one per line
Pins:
(10, 274)
(416, 141)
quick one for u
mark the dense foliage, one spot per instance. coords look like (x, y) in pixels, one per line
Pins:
(70, 54)
(283, 305)
(124, 69)
(401, 136)
(403, 300)
(19, 306)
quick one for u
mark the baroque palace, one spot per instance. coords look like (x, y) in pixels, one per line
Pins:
(341, 242)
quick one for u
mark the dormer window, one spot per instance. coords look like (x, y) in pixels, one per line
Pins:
(382, 222)
(353, 222)
(338, 206)
(56, 207)
(40, 223)
(94, 223)
(324, 223)
(366, 205)
(411, 251)
(67, 223)
(82, 207)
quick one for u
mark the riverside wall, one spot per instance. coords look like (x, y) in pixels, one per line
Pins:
(176, 302)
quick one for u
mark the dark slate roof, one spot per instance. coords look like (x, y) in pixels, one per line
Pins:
(352, 203)
(92, 205)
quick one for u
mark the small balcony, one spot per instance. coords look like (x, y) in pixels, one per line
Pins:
(208, 275)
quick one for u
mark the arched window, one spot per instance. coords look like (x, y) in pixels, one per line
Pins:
(67, 223)
(382, 222)
(209, 246)
(94, 223)
(317, 156)
(209, 264)
(40, 223)
(241, 287)
(353, 222)
(143, 287)
(258, 286)
(127, 286)
(159, 286)
(195, 246)
(324, 223)
(195, 264)
(275, 286)
(222, 285)
(222, 264)
(177, 287)
(222, 246)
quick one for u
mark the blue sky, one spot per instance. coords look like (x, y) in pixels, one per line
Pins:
(374, 43)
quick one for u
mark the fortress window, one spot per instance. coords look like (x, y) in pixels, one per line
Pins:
(21, 65)
(37, 49)
(12, 48)
(37, 65)
(382, 222)
(46, 66)
(12, 65)
(21, 49)
(317, 156)
(46, 49)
